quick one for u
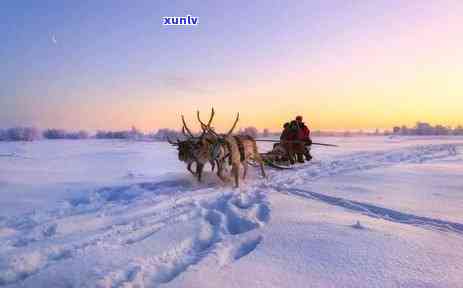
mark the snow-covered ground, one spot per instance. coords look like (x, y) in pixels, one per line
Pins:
(375, 212)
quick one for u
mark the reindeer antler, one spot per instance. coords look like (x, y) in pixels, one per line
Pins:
(234, 125)
(185, 127)
(205, 127)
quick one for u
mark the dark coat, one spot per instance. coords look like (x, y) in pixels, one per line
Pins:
(301, 130)
(288, 134)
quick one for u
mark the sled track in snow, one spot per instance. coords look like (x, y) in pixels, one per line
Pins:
(113, 237)
(365, 161)
(136, 213)
(378, 212)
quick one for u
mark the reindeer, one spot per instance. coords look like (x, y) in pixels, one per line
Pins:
(238, 149)
(185, 152)
(193, 150)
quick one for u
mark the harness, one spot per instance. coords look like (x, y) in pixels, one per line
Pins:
(214, 150)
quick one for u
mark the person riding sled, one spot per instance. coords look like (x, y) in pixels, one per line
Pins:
(295, 141)
(302, 135)
(286, 143)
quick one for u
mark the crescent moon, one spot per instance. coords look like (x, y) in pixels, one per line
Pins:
(53, 39)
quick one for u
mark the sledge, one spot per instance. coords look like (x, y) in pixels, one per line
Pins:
(277, 158)
(276, 166)
(297, 141)
(272, 164)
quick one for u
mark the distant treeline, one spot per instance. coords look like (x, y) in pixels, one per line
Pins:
(19, 134)
(31, 133)
(63, 134)
(422, 128)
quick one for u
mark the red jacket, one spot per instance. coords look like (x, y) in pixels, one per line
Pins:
(296, 131)
(303, 133)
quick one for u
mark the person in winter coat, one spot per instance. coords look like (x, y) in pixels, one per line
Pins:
(287, 133)
(286, 138)
(302, 134)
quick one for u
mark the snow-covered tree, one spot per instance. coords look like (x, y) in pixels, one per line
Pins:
(63, 134)
(20, 134)
(265, 132)
(251, 131)
(54, 134)
(164, 133)
(458, 130)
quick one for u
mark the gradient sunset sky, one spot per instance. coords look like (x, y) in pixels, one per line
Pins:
(341, 64)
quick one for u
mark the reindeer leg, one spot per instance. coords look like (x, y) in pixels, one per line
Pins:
(259, 160)
(236, 174)
(245, 168)
(220, 172)
(199, 170)
(261, 164)
(188, 167)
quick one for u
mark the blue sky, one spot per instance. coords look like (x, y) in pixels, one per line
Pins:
(114, 64)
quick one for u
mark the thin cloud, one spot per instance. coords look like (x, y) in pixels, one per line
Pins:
(185, 84)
